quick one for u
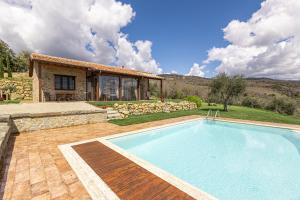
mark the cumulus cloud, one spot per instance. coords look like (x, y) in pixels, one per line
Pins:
(136, 55)
(196, 70)
(82, 29)
(174, 72)
(266, 45)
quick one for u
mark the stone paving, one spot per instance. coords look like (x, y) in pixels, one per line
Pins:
(47, 107)
(36, 169)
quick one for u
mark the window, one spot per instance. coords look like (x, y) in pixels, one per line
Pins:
(64, 82)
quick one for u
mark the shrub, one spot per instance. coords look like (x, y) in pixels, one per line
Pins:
(197, 100)
(251, 102)
(282, 105)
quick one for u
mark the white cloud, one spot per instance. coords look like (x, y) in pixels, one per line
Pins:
(136, 56)
(174, 72)
(82, 29)
(266, 45)
(196, 70)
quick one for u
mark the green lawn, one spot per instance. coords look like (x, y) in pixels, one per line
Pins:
(111, 103)
(236, 112)
(9, 102)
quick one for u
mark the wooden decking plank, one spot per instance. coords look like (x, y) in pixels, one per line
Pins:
(127, 179)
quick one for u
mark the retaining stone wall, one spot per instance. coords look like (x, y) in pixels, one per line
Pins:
(5, 132)
(143, 108)
(23, 86)
(33, 122)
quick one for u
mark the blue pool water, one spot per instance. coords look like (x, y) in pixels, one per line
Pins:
(227, 160)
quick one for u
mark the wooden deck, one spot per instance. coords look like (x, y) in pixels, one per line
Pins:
(125, 178)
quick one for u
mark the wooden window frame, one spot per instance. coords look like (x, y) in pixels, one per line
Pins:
(61, 82)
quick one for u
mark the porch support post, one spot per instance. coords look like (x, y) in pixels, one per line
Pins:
(161, 91)
(120, 88)
(138, 89)
(97, 86)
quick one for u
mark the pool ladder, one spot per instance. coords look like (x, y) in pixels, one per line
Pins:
(210, 113)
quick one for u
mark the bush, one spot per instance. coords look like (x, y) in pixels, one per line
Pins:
(282, 105)
(197, 100)
(251, 102)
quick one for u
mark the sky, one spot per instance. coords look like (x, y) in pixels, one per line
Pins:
(183, 32)
(254, 38)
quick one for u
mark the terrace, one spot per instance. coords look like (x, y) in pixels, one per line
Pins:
(35, 168)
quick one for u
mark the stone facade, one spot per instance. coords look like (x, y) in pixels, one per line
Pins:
(33, 122)
(23, 85)
(143, 108)
(44, 82)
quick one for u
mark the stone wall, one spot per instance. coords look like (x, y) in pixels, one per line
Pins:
(5, 131)
(143, 108)
(33, 122)
(23, 85)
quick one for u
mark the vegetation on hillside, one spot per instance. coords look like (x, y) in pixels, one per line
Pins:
(259, 93)
(12, 62)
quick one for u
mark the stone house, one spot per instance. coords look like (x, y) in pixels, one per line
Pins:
(62, 79)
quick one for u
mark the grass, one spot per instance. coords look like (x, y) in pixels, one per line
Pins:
(111, 103)
(236, 112)
(9, 102)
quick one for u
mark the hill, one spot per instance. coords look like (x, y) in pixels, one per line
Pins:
(264, 89)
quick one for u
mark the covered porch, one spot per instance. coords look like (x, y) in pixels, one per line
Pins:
(108, 86)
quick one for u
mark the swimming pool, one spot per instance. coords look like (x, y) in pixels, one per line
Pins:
(227, 160)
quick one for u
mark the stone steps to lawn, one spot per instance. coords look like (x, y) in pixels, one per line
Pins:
(113, 114)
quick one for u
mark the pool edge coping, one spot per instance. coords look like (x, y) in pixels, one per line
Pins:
(93, 184)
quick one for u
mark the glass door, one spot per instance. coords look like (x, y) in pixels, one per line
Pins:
(109, 88)
(129, 89)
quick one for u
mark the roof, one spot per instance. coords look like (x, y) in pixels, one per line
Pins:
(94, 66)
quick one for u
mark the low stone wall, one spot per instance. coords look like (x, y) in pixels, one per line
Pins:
(5, 131)
(23, 87)
(143, 108)
(33, 122)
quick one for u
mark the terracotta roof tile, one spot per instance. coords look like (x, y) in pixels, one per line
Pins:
(90, 65)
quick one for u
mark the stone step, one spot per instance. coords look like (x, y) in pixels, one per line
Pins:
(114, 116)
(112, 112)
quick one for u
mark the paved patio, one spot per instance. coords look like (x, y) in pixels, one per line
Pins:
(48, 107)
(36, 169)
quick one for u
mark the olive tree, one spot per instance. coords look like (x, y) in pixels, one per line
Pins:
(8, 90)
(224, 88)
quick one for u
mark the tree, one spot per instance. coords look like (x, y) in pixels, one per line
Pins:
(8, 67)
(1, 69)
(22, 62)
(8, 90)
(225, 88)
(12, 62)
